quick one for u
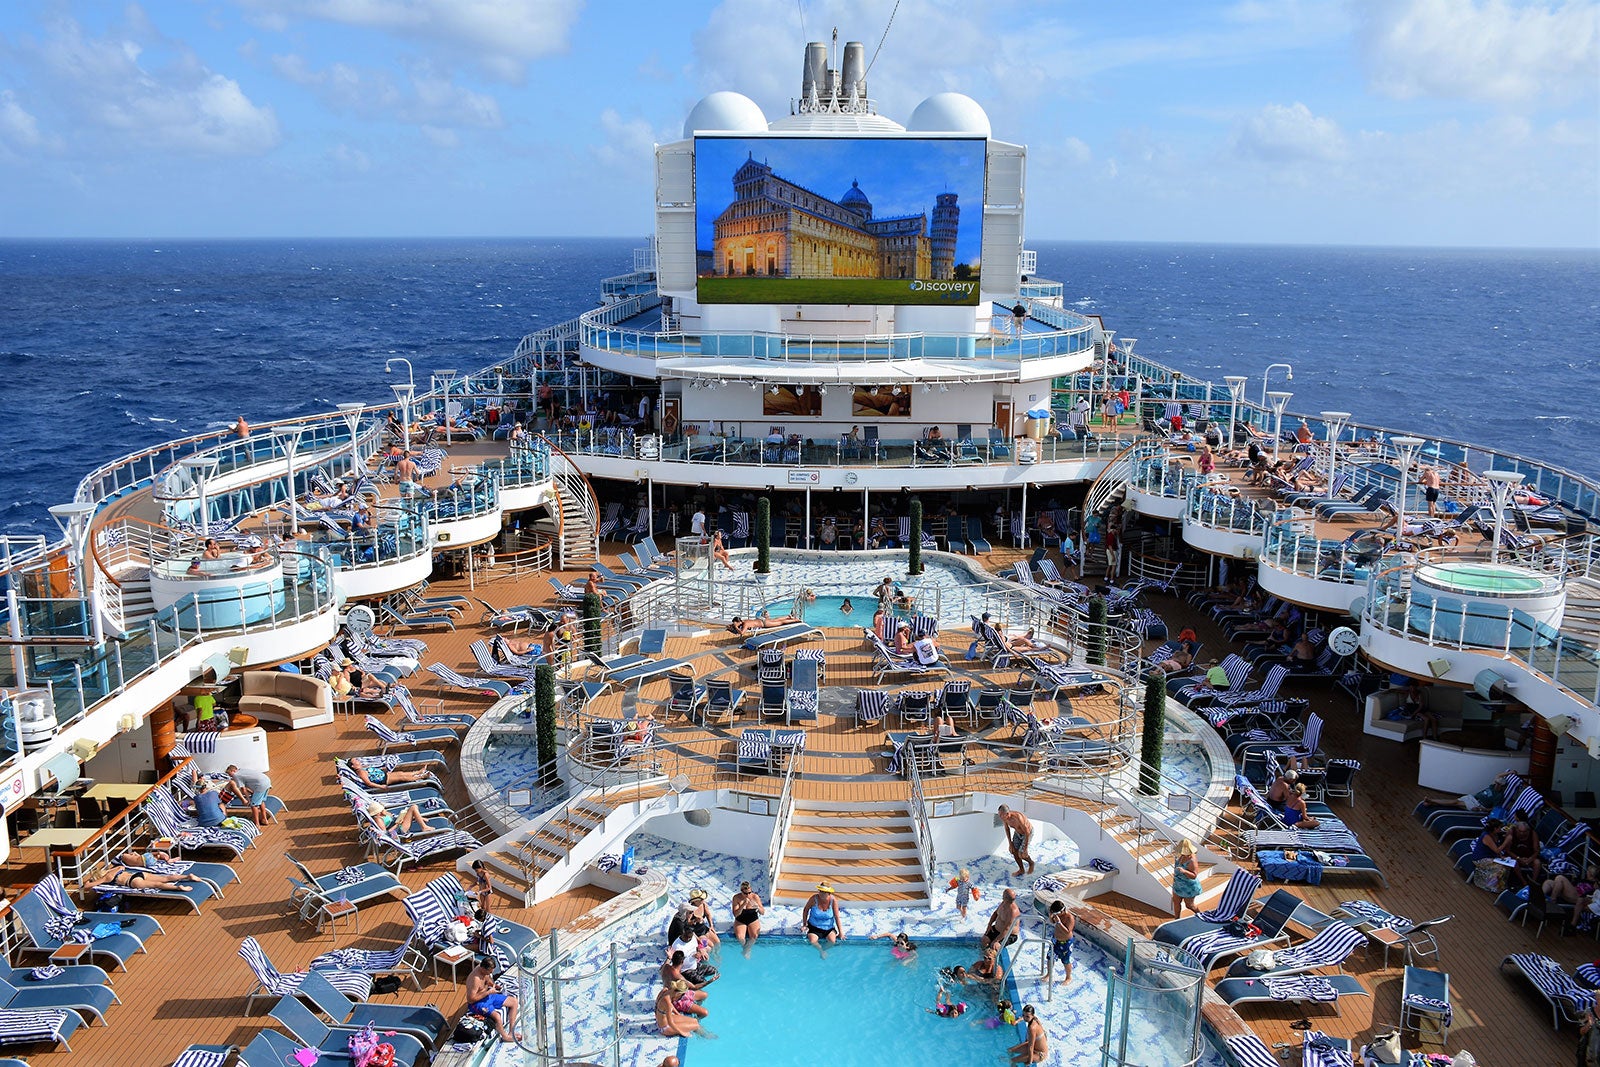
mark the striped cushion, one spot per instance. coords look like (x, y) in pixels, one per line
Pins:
(19, 1027)
(1251, 1051)
(199, 1056)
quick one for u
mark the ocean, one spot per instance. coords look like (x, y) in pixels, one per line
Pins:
(107, 347)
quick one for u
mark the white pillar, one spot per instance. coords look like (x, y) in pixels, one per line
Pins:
(1279, 400)
(808, 518)
(74, 519)
(1501, 483)
(1236, 384)
(1407, 448)
(1335, 421)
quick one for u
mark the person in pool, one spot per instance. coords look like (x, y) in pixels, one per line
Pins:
(846, 607)
(821, 917)
(747, 912)
(946, 1008)
(902, 947)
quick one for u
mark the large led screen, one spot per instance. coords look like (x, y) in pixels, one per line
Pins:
(813, 220)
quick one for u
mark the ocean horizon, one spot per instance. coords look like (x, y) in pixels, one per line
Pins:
(161, 338)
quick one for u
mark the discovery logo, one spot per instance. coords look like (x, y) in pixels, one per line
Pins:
(959, 288)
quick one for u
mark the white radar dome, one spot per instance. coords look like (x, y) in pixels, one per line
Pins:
(726, 112)
(949, 113)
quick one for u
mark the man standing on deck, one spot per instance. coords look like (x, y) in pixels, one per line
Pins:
(1019, 831)
(1430, 489)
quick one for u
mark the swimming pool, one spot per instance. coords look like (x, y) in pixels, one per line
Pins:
(786, 1006)
(946, 588)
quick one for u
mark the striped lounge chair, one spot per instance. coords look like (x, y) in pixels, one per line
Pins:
(272, 983)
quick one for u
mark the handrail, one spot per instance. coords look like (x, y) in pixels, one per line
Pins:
(920, 830)
(780, 826)
(121, 827)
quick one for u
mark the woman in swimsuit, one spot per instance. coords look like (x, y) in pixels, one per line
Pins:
(408, 819)
(1295, 810)
(669, 1020)
(988, 968)
(747, 912)
(719, 551)
(403, 774)
(821, 917)
(128, 878)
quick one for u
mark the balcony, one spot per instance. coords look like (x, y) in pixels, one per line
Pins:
(1224, 524)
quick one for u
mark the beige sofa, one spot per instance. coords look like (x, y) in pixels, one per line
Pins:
(292, 700)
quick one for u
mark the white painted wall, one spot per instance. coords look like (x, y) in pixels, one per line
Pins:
(733, 833)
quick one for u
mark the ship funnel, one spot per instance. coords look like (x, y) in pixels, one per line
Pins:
(814, 79)
(853, 81)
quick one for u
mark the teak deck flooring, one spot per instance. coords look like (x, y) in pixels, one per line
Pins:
(190, 986)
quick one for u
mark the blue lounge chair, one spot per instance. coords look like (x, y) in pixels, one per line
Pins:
(1425, 1002)
(426, 1023)
(805, 691)
(1291, 989)
(312, 1032)
(53, 1025)
(781, 636)
(722, 701)
(978, 543)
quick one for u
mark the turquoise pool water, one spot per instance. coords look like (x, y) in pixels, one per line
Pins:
(829, 610)
(787, 1007)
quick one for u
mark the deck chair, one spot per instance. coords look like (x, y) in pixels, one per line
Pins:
(1425, 1003)
(89, 1001)
(569, 594)
(992, 645)
(439, 901)
(722, 701)
(872, 706)
(1220, 943)
(391, 737)
(611, 578)
(1331, 946)
(641, 668)
(1231, 698)
(431, 720)
(63, 922)
(975, 540)
(198, 893)
(916, 706)
(384, 843)
(685, 695)
(999, 448)
(774, 698)
(312, 1032)
(1234, 667)
(771, 665)
(886, 661)
(990, 707)
(1234, 902)
(170, 821)
(805, 690)
(495, 687)
(1291, 989)
(781, 636)
(52, 1025)
(359, 884)
(1054, 677)
(1250, 1051)
(72, 974)
(271, 983)
(493, 668)
(955, 698)
(409, 620)
(426, 1023)
(1569, 1000)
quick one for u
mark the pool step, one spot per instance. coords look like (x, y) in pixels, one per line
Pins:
(867, 851)
(520, 863)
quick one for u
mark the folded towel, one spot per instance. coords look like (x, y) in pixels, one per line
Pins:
(44, 974)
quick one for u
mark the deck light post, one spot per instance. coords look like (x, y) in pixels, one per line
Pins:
(1236, 391)
(73, 519)
(1334, 421)
(403, 393)
(1407, 448)
(442, 378)
(1287, 377)
(1279, 400)
(201, 468)
(1501, 483)
(352, 419)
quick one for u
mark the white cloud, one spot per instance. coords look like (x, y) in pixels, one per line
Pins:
(146, 91)
(18, 128)
(428, 98)
(500, 36)
(629, 143)
(1076, 152)
(1289, 134)
(349, 159)
(1491, 51)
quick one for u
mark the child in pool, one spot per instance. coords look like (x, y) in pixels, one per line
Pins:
(957, 974)
(902, 947)
(945, 1008)
(847, 607)
(1006, 1016)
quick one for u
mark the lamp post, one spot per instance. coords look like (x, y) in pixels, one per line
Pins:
(1501, 483)
(447, 375)
(1268, 373)
(1334, 421)
(200, 468)
(73, 519)
(1407, 448)
(403, 393)
(1236, 391)
(1279, 399)
(352, 419)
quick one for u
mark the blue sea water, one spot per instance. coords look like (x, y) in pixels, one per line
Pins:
(110, 346)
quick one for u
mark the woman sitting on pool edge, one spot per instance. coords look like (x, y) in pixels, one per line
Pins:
(740, 627)
(821, 917)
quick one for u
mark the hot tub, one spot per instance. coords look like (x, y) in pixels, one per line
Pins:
(1484, 604)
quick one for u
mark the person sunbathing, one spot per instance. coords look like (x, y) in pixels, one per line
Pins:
(122, 877)
(745, 627)
(407, 821)
(1176, 663)
(1027, 642)
(378, 777)
(1295, 810)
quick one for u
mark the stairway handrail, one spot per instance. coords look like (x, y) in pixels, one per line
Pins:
(780, 826)
(920, 829)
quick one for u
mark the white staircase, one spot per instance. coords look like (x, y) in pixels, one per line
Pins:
(867, 851)
(576, 527)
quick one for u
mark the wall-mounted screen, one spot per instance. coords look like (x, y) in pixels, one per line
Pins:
(791, 400)
(881, 401)
(823, 220)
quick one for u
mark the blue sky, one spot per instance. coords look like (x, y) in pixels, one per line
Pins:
(1431, 122)
(899, 177)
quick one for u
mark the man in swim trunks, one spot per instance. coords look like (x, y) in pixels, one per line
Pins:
(1062, 926)
(821, 917)
(485, 1000)
(1036, 1048)
(1002, 928)
(1430, 489)
(1019, 831)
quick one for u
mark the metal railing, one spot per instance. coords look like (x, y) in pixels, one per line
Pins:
(780, 827)
(920, 831)
(1223, 511)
